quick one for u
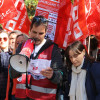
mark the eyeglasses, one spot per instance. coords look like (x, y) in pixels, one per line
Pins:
(40, 19)
(4, 39)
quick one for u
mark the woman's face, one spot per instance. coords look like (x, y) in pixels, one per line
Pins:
(3, 40)
(19, 40)
(76, 58)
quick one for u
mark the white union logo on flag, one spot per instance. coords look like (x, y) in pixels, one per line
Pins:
(1, 3)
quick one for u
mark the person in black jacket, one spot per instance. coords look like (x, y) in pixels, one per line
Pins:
(83, 74)
(4, 62)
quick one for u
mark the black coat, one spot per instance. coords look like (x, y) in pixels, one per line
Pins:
(92, 83)
(4, 61)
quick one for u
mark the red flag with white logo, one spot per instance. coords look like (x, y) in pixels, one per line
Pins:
(21, 21)
(7, 10)
(71, 23)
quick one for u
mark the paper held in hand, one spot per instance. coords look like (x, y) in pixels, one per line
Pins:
(35, 66)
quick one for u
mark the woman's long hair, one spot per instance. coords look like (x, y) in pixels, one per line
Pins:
(76, 47)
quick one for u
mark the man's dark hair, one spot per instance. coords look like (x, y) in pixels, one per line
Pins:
(38, 20)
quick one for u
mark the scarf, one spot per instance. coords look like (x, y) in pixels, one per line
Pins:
(77, 89)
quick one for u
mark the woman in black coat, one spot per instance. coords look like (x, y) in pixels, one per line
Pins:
(83, 74)
(4, 62)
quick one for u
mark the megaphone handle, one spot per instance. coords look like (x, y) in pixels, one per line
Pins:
(26, 80)
(27, 86)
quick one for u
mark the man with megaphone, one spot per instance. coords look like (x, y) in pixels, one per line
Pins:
(44, 71)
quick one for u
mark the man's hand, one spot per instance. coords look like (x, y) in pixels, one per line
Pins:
(47, 72)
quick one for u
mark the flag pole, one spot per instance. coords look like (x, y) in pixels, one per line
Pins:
(89, 46)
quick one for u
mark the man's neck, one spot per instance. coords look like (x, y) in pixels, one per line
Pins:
(38, 47)
(41, 42)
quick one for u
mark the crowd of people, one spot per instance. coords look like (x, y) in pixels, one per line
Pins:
(56, 74)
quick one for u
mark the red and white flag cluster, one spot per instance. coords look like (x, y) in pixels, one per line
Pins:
(67, 21)
(71, 23)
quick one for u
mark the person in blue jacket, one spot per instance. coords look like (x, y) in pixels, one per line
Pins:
(82, 74)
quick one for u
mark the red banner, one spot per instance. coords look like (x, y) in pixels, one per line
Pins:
(71, 23)
(21, 21)
(93, 15)
(49, 9)
(7, 10)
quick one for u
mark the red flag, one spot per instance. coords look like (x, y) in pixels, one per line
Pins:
(7, 10)
(93, 15)
(21, 21)
(71, 23)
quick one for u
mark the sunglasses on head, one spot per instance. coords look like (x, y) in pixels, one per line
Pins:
(4, 38)
(40, 19)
